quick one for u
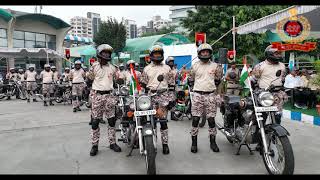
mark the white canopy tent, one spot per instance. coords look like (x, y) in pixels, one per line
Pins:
(312, 13)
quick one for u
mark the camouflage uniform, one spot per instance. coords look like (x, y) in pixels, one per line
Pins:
(232, 84)
(47, 86)
(265, 73)
(31, 83)
(149, 77)
(204, 98)
(78, 85)
(102, 77)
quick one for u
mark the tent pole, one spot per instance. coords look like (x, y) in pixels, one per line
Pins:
(234, 36)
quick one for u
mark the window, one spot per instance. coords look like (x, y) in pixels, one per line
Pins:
(3, 33)
(18, 43)
(30, 36)
(51, 38)
(3, 42)
(41, 37)
(40, 44)
(30, 44)
(18, 35)
(3, 38)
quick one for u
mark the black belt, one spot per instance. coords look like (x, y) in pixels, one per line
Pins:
(31, 81)
(104, 92)
(46, 83)
(204, 92)
(78, 83)
(159, 91)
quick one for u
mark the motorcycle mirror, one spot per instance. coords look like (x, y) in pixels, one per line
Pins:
(278, 73)
(160, 78)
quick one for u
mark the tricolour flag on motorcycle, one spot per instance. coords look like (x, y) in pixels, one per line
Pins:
(244, 74)
(134, 84)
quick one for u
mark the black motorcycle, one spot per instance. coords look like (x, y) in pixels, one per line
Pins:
(253, 120)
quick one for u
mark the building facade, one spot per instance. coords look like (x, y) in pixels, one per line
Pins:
(177, 14)
(81, 27)
(96, 22)
(28, 30)
(131, 27)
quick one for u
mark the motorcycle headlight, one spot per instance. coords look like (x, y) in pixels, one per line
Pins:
(144, 103)
(266, 99)
(131, 106)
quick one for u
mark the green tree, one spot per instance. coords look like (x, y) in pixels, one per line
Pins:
(113, 33)
(164, 30)
(215, 21)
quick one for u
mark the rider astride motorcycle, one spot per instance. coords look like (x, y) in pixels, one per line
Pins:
(128, 72)
(264, 74)
(77, 76)
(66, 74)
(232, 77)
(149, 82)
(206, 75)
(122, 72)
(11, 76)
(172, 88)
(31, 76)
(103, 73)
(47, 87)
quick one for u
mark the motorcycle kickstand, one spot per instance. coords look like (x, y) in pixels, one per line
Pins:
(130, 153)
(239, 147)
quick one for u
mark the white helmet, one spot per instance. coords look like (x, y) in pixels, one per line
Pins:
(53, 67)
(104, 47)
(77, 62)
(46, 65)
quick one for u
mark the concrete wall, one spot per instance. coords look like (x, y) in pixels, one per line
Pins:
(34, 26)
(3, 24)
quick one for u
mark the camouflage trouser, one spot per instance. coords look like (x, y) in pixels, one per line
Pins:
(31, 87)
(95, 135)
(103, 104)
(77, 90)
(47, 89)
(162, 101)
(280, 98)
(204, 104)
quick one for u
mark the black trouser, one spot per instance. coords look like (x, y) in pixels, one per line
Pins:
(302, 97)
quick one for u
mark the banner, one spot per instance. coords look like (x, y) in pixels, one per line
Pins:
(200, 38)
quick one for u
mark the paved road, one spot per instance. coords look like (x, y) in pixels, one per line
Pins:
(54, 140)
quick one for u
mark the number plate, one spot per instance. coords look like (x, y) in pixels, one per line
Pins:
(266, 109)
(145, 113)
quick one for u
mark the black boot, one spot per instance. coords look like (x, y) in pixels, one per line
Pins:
(78, 109)
(74, 109)
(45, 103)
(165, 149)
(28, 100)
(34, 100)
(94, 150)
(8, 98)
(194, 148)
(213, 144)
(115, 147)
(51, 104)
(173, 117)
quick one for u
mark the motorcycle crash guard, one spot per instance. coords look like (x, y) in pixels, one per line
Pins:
(278, 129)
(147, 130)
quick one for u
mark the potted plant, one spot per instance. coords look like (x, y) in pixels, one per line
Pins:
(316, 82)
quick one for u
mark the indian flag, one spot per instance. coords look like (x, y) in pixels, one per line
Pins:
(134, 84)
(244, 75)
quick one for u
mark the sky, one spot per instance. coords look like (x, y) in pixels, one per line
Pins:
(141, 14)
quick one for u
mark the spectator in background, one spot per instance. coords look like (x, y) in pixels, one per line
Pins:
(294, 82)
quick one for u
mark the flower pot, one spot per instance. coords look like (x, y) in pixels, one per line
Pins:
(318, 109)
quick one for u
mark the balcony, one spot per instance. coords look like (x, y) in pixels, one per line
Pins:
(172, 8)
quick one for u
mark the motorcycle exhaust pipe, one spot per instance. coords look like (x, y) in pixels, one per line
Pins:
(221, 129)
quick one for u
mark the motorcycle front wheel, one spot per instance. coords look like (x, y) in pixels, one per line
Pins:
(150, 155)
(280, 159)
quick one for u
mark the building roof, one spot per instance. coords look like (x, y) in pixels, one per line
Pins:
(145, 43)
(55, 22)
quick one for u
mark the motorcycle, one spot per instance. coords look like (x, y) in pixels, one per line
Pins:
(138, 125)
(183, 103)
(252, 120)
(63, 92)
